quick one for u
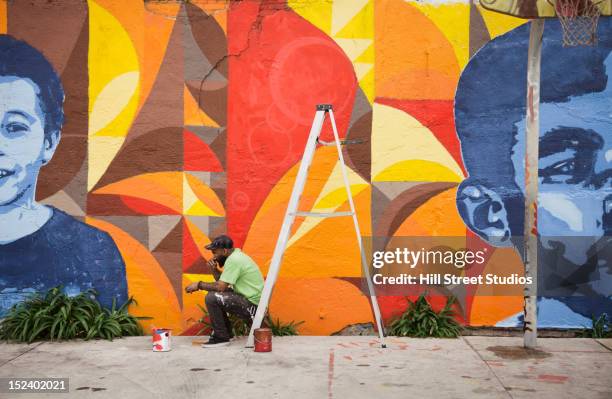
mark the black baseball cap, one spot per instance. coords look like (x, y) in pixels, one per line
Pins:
(222, 241)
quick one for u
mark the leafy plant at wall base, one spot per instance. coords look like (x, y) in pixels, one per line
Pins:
(421, 320)
(281, 329)
(57, 316)
(241, 328)
(602, 328)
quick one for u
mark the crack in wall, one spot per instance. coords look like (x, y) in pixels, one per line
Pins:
(265, 9)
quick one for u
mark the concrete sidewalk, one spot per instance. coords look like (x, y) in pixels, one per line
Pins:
(320, 367)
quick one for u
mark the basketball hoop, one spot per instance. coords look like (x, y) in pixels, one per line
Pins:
(579, 21)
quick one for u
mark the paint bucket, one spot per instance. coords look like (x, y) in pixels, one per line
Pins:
(161, 339)
(263, 340)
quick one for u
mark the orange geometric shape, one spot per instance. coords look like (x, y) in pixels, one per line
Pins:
(490, 310)
(202, 201)
(191, 312)
(164, 188)
(413, 60)
(147, 281)
(326, 305)
(193, 114)
(330, 249)
(3, 21)
(197, 155)
(436, 217)
(269, 218)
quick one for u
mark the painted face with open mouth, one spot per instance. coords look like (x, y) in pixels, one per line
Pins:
(23, 148)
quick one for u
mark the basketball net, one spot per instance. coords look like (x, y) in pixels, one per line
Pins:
(579, 21)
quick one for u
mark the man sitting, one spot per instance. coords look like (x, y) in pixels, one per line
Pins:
(230, 267)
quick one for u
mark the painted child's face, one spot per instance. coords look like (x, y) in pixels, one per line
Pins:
(23, 148)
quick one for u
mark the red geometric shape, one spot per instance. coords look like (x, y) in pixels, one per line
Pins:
(145, 207)
(283, 71)
(198, 156)
(191, 253)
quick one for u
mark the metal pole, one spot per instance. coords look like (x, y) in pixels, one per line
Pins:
(532, 133)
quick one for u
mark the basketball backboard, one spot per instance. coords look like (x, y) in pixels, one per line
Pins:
(536, 8)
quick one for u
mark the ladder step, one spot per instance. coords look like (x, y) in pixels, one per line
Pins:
(323, 215)
(342, 142)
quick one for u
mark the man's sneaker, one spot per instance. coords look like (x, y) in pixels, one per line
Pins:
(215, 342)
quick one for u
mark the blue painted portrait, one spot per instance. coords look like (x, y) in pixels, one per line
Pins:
(575, 165)
(41, 246)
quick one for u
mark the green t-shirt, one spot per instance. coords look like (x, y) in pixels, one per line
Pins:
(243, 274)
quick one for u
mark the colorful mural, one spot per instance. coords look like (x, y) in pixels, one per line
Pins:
(187, 119)
(575, 171)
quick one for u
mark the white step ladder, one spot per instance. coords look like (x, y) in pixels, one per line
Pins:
(292, 212)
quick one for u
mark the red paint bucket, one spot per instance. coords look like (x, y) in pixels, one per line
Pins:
(263, 340)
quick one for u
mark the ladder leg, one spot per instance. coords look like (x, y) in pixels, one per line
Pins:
(364, 263)
(283, 237)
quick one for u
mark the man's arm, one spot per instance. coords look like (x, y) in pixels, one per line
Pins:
(219, 286)
(216, 286)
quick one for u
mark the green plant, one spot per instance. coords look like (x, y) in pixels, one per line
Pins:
(421, 320)
(282, 329)
(57, 316)
(602, 328)
(241, 328)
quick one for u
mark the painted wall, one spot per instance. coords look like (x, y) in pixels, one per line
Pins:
(185, 120)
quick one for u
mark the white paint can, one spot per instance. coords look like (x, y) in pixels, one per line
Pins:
(161, 339)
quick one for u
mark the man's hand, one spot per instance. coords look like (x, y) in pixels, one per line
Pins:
(192, 287)
(214, 266)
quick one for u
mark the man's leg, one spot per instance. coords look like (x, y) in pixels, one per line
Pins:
(236, 304)
(214, 304)
(228, 325)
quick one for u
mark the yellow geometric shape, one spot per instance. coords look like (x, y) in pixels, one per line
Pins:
(330, 199)
(353, 48)
(417, 170)
(101, 150)
(193, 114)
(362, 24)
(199, 277)
(367, 56)
(367, 85)
(344, 11)
(361, 69)
(397, 137)
(318, 13)
(111, 102)
(453, 20)
(338, 196)
(497, 23)
(199, 199)
(113, 88)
